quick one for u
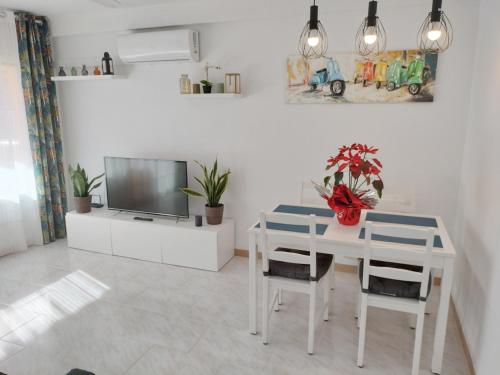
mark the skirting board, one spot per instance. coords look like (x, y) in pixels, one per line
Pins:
(338, 266)
(468, 357)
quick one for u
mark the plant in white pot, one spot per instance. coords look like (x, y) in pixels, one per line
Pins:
(82, 188)
(214, 185)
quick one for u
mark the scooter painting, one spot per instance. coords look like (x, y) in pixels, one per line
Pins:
(331, 75)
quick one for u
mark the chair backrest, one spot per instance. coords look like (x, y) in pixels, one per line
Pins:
(413, 256)
(273, 235)
(309, 195)
(397, 202)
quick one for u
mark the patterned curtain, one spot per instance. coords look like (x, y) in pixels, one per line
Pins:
(35, 55)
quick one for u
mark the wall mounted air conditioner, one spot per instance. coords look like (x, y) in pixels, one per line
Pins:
(159, 45)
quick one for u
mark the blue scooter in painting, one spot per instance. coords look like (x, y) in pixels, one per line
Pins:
(331, 75)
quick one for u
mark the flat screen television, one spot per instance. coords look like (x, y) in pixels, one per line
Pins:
(147, 186)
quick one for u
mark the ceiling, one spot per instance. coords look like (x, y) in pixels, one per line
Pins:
(49, 7)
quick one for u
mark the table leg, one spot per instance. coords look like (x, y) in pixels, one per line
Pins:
(442, 316)
(252, 282)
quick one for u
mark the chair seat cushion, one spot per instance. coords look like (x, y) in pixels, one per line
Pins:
(77, 371)
(391, 287)
(300, 271)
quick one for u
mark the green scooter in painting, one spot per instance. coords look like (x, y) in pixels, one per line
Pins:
(415, 75)
(418, 75)
(397, 75)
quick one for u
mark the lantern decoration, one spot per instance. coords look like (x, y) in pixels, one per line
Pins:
(107, 65)
(313, 41)
(371, 38)
(436, 33)
(232, 83)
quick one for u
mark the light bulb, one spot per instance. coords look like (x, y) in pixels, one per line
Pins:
(313, 41)
(435, 31)
(370, 35)
(313, 38)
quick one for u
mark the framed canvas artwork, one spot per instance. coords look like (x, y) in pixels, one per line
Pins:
(390, 77)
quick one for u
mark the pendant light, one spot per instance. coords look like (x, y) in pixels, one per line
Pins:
(313, 42)
(436, 33)
(371, 38)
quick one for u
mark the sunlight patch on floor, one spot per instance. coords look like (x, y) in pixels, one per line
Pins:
(52, 303)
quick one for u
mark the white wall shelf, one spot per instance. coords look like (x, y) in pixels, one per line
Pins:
(213, 96)
(85, 78)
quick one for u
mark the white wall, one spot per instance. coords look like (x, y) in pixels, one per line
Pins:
(477, 285)
(270, 146)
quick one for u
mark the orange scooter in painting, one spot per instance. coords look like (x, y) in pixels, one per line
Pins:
(368, 72)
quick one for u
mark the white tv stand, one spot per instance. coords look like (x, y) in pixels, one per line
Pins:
(163, 240)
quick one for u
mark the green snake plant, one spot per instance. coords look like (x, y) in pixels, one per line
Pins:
(81, 185)
(213, 184)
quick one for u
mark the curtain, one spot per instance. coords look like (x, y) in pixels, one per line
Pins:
(35, 55)
(19, 214)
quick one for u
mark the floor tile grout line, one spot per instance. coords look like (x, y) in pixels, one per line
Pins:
(138, 359)
(13, 355)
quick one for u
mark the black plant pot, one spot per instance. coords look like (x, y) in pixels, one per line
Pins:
(207, 89)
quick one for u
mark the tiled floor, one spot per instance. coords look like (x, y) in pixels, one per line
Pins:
(62, 308)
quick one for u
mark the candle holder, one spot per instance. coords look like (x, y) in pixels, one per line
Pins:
(232, 83)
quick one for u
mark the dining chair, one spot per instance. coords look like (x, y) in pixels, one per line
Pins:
(292, 264)
(403, 286)
(309, 196)
(397, 202)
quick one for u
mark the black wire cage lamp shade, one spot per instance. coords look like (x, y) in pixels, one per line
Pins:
(436, 33)
(313, 42)
(371, 37)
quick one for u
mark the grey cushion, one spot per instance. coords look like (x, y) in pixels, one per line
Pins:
(77, 371)
(300, 271)
(390, 287)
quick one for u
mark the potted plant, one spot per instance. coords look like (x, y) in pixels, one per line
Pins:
(214, 185)
(207, 86)
(82, 188)
(363, 172)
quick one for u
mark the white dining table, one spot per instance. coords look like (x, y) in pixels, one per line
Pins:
(347, 241)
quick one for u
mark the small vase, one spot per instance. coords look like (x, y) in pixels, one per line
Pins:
(185, 84)
(82, 204)
(348, 215)
(214, 214)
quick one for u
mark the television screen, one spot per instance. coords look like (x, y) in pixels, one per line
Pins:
(147, 186)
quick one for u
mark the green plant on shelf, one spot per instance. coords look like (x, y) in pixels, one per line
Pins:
(213, 184)
(81, 185)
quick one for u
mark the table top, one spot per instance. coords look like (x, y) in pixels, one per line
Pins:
(330, 231)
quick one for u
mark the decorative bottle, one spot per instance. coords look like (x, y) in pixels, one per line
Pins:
(185, 84)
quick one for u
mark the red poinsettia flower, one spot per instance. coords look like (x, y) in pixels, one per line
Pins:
(357, 161)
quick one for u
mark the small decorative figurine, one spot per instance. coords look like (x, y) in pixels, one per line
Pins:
(85, 72)
(107, 65)
(73, 71)
(97, 72)
(61, 73)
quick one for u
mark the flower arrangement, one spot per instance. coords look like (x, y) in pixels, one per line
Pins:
(362, 171)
